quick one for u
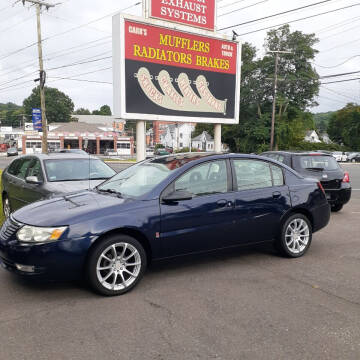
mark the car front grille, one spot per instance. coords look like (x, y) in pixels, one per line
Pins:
(332, 184)
(9, 228)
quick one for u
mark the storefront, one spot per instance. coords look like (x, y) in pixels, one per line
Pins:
(91, 138)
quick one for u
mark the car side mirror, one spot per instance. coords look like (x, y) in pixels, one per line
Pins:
(33, 180)
(177, 195)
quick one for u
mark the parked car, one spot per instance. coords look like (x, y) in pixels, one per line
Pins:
(323, 167)
(160, 208)
(354, 157)
(36, 177)
(161, 152)
(71, 151)
(339, 156)
(13, 151)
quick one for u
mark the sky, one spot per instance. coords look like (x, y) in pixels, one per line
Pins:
(80, 30)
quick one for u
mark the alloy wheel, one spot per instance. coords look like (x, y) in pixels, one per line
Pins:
(118, 266)
(297, 235)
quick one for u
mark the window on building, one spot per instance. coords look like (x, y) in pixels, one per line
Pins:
(181, 145)
(123, 145)
(181, 135)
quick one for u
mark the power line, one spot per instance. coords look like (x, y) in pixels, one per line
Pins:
(337, 25)
(243, 8)
(84, 80)
(340, 81)
(2, 31)
(2, 57)
(337, 75)
(301, 19)
(337, 93)
(340, 32)
(341, 45)
(59, 53)
(233, 3)
(90, 72)
(277, 14)
(72, 22)
(344, 62)
(80, 63)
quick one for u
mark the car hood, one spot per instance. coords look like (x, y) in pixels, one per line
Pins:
(63, 187)
(71, 209)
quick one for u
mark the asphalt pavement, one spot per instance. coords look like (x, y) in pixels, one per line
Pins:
(243, 304)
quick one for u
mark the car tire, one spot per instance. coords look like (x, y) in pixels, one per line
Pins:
(116, 265)
(295, 236)
(6, 206)
(336, 207)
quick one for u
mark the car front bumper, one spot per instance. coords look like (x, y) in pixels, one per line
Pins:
(58, 260)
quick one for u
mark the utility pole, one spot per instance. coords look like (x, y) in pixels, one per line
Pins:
(276, 52)
(39, 4)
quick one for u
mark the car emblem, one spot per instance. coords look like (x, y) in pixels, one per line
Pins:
(325, 176)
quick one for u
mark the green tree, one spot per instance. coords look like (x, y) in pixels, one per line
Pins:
(11, 114)
(298, 87)
(344, 126)
(104, 110)
(200, 127)
(82, 111)
(59, 106)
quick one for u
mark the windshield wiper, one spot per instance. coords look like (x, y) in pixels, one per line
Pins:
(315, 168)
(111, 191)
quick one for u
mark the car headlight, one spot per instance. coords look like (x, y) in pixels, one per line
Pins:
(33, 234)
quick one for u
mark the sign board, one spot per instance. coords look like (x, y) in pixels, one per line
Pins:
(196, 13)
(173, 74)
(36, 119)
(29, 126)
(6, 129)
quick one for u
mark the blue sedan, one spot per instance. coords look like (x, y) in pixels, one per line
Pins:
(161, 208)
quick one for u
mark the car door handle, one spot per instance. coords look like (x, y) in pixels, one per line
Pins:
(224, 203)
(276, 194)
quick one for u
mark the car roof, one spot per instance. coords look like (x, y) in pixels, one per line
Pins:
(297, 152)
(57, 156)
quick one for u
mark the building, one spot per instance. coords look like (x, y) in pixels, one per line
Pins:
(311, 136)
(203, 142)
(94, 138)
(325, 138)
(176, 136)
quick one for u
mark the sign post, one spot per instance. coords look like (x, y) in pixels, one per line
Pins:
(166, 71)
(37, 119)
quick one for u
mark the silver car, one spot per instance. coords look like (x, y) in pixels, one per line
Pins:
(31, 178)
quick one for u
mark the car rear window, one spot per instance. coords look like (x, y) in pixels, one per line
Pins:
(315, 162)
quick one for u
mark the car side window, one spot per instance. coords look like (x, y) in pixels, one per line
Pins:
(35, 169)
(13, 167)
(252, 174)
(280, 158)
(204, 179)
(278, 176)
(21, 171)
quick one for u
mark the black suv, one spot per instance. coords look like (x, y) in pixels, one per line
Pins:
(322, 166)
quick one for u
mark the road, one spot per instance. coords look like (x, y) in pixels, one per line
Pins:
(244, 304)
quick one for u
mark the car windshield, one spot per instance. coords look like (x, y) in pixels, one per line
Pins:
(141, 178)
(77, 169)
(315, 162)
